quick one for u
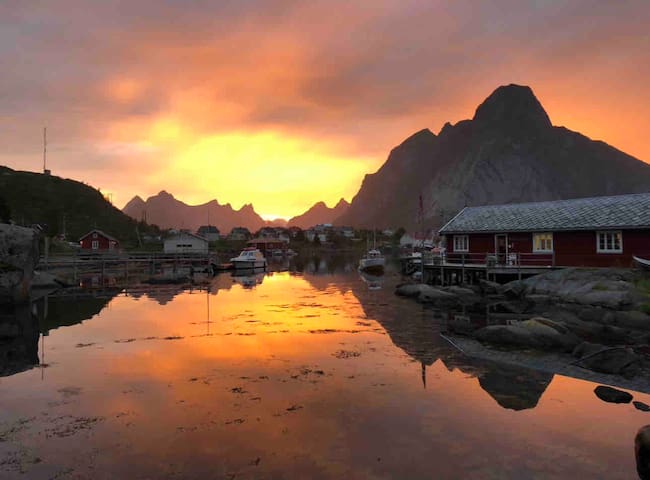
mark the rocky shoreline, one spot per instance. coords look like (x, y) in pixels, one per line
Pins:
(588, 323)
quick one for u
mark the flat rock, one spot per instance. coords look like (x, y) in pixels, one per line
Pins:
(644, 407)
(537, 332)
(612, 395)
(599, 358)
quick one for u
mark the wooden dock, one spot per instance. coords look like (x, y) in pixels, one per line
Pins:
(458, 269)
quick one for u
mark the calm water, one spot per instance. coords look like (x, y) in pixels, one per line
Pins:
(289, 376)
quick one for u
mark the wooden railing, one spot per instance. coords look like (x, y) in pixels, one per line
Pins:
(490, 259)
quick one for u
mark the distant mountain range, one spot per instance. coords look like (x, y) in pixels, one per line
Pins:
(509, 152)
(168, 212)
(319, 213)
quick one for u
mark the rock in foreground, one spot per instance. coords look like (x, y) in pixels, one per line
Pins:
(537, 332)
(612, 395)
(18, 258)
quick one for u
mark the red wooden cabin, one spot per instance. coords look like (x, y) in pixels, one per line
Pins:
(585, 232)
(96, 240)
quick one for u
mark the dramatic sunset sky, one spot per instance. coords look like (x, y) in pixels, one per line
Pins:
(284, 103)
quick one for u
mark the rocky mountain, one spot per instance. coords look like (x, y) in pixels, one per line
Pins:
(168, 212)
(508, 152)
(319, 213)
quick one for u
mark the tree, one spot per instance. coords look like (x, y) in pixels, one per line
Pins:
(5, 212)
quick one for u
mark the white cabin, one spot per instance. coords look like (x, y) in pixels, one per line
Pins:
(186, 243)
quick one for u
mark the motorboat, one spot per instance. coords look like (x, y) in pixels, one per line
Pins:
(249, 258)
(373, 262)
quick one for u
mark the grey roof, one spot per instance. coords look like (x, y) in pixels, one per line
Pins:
(617, 212)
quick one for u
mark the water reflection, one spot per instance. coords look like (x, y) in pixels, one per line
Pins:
(374, 282)
(303, 376)
(249, 278)
(18, 339)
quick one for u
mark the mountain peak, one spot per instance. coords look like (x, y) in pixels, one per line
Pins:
(135, 203)
(513, 107)
(342, 204)
(164, 193)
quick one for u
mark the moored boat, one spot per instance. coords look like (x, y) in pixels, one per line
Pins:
(373, 262)
(249, 258)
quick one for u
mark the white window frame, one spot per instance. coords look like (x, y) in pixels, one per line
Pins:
(459, 240)
(94, 245)
(609, 244)
(542, 250)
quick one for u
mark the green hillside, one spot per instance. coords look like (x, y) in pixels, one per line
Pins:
(64, 204)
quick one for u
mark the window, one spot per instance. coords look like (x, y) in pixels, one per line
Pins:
(94, 235)
(543, 242)
(609, 242)
(95, 245)
(461, 243)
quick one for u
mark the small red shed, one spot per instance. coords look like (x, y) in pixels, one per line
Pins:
(96, 240)
(583, 232)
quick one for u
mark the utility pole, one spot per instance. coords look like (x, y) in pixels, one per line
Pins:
(45, 170)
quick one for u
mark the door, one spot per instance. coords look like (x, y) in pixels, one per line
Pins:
(501, 248)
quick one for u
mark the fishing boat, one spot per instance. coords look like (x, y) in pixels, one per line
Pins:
(249, 258)
(374, 261)
(642, 263)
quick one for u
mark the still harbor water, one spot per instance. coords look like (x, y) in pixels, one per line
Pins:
(313, 375)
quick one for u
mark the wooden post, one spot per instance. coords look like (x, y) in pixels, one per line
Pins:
(462, 275)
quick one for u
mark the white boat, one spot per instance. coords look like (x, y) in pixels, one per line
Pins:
(373, 262)
(249, 258)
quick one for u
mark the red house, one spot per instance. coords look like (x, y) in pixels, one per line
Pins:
(587, 232)
(96, 240)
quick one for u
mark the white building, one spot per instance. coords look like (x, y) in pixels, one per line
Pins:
(186, 243)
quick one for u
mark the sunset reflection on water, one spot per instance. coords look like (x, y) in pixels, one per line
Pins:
(299, 376)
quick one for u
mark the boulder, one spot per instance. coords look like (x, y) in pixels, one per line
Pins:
(18, 258)
(489, 288)
(606, 287)
(537, 332)
(434, 295)
(644, 407)
(612, 395)
(633, 319)
(515, 289)
(425, 293)
(642, 452)
(599, 358)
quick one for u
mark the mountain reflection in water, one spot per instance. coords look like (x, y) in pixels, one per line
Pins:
(305, 375)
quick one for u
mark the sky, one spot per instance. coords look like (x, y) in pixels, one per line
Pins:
(284, 103)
